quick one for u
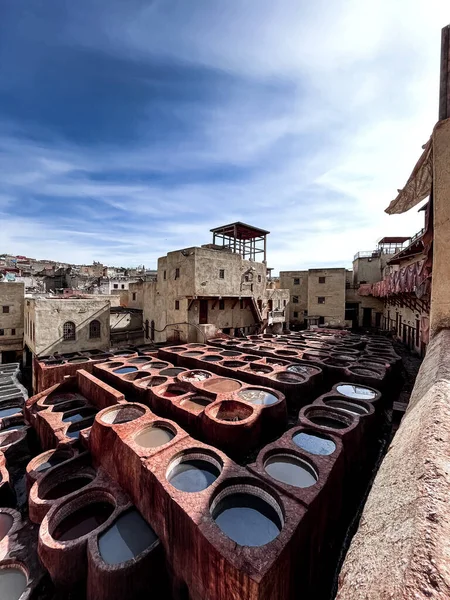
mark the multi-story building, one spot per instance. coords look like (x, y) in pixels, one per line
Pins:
(11, 321)
(218, 287)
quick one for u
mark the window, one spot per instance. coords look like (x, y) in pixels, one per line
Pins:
(134, 295)
(295, 315)
(68, 330)
(246, 278)
(177, 305)
(296, 280)
(241, 303)
(164, 275)
(94, 329)
(284, 302)
(2, 332)
(221, 304)
(221, 273)
(177, 273)
(321, 279)
(13, 332)
(33, 332)
(321, 300)
(259, 278)
(115, 286)
(123, 287)
(6, 309)
(295, 299)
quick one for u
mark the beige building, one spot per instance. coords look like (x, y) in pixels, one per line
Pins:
(65, 325)
(218, 287)
(11, 321)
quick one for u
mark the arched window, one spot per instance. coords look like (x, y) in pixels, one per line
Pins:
(94, 329)
(69, 330)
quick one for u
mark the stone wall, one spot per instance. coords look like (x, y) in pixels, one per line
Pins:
(333, 291)
(12, 298)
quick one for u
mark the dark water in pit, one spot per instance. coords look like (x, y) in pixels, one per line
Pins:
(193, 353)
(247, 519)
(172, 372)
(350, 407)
(74, 418)
(12, 583)
(127, 537)
(291, 470)
(154, 437)
(7, 412)
(67, 486)
(12, 428)
(124, 370)
(51, 462)
(302, 370)
(82, 521)
(193, 475)
(6, 522)
(356, 391)
(258, 397)
(212, 358)
(158, 365)
(328, 422)
(195, 404)
(314, 443)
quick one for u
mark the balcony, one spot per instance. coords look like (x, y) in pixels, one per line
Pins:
(276, 316)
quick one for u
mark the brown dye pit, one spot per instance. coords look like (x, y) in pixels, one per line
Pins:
(212, 358)
(6, 522)
(173, 392)
(230, 410)
(291, 470)
(260, 369)
(193, 353)
(13, 582)
(290, 378)
(139, 360)
(67, 487)
(347, 406)
(286, 352)
(195, 404)
(233, 364)
(159, 365)
(154, 436)
(124, 414)
(154, 381)
(172, 372)
(230, 353)
(221, 385)
(83, 521)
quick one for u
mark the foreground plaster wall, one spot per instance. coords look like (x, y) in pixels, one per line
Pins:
(401, 550)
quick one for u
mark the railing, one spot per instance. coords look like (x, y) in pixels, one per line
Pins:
(367, 254)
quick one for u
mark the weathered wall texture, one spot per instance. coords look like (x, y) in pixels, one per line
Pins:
(12, 297)
(298, 303)
(333, 290)
(401, 550)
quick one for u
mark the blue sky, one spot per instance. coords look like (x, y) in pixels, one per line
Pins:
(129, 129)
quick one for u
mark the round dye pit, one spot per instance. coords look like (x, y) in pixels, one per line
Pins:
(78, 360)
(195, 404)
(154, 436)
(230, 353)
(221, 385)
(258, 396)
(177, 349)
(212, 358)
(358, 392)
(286, 352)
(53, 460)
(314, 443)
(124, 414)
(124, 370)
(195, 376)
(65, 406)
(158, 365)
(347, 406)
(83, 521)
(323, 420)
(193, 353)
(193, 473)
(154, 381)
(8, 412)
(172, 372)
(365, 372)
(173, 392)
(123, 353)
(232, 411)
(291, 378)
(233, 364)
(75, 429)
(303, 369)
(248, 518)
(6, 522)
(75, 417)
(126, 538)
(138, 361)
(259, 369)
(291, 470)
(13, 582)
(67, 486)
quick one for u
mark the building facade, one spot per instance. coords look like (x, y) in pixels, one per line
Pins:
(11, 321)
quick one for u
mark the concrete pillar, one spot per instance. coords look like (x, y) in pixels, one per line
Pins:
(440, 294)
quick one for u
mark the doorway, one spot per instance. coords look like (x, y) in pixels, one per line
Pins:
(203, 316)
(367, 317)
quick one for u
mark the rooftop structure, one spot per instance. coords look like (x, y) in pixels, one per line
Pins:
(246, 240)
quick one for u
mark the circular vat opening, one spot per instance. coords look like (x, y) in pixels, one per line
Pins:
(379, 367)
(78, 415)
(286, 352)
(247, 515)
(177, 349)
(65, 406)
(290, 469)
(212, 357)
(233, 364)
(156, 380)
(6, 522)
(49, 459)
(66, 486)
(276, 362)
(154, 435)
(248, 345)
(78, 360)
(194, 471)
(221, 385)
(123, 370)
(172, 391)
(134, 376)
(230, 353)
(9, 411)
(74, 430)
(258, 369)
(13, 582)
(351, 407)
(113, 365)
(314, 443)
(82, 521)
(195, 376)
(231, 411)
(258, 396)
(268, 348)
(172, 372)
(158, 365)
(357, 392)
(192, 353)
(139, 360)
(232, 343)
(324, 418)
(333, 361)
(365, 372)
(127, 537)
(123, 414)
(195, 403)
(292, 378)
(197, 346)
